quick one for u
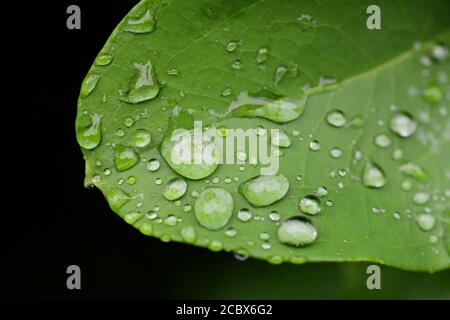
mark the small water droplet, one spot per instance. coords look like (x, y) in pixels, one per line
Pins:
(439, 52)
(310, 205)
(266, 246)
(175, 189)
(314, 145)
(421, 198)
(131, 180)
(335, 153)
(90, 136)
(396, 216)
(264, 236)
(214, 208)
(433, 94)
(397, 154)
(406, 185)
(231, 232)
(264, 190)
(262, 54)
(171, 221)
(403, 124)
(153, 164)
(215, 246)
(321, 191)
(373, 176)
(236, 65)
(279, 74)
(280, 138)
(274, 216)
(146, 86)
(244, 215)
(117, 198)
(382, 140)
(103, 60)
(227, 91)
(336, 118)
(425, 221)
(232, 45)
(144, 24)
(188, 234)
(414, 171)
(296, 232)
(357, 121)
(173, 72)
(89, 84)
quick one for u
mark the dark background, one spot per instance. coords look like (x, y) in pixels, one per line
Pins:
(56, 222)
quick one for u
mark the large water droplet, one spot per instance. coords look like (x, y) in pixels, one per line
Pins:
(373, 175)
(189, 157)
(144, 24)
(175, 189)
(296, 232)
(262, 54)
(425, 221)
(141, 138)
(125, 157)
(213, 208)
(336, 118)
(265, 190)
(89, 84)
(310, 205)
(267, 106)
(403, 124)
(146, 86)
(90, 136)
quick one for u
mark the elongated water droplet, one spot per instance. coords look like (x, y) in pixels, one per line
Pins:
(414, 171)
(279, 74)
(269, 106)
(373, 176)
(265, 190)
(103, 60)
(310, 205)
(141, 138)
(175, 189)
(89, 84)
(144, 24)
(336, 118)
(146, 86)
(90, 136)
(125, 157)
(296, 232)
(188, 234)
(425, 221)
(280, 138)
(117, 198)
(190, 158)
(403, 124)
(262, 54)
(382, 140)
(213, 208)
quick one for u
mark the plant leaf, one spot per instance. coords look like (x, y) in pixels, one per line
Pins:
(365, 113)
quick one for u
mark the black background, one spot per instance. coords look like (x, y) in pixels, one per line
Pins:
(56, 222)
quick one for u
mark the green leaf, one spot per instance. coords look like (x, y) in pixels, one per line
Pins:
(365, 115)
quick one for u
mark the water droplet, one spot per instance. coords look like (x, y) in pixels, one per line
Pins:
(120, 132)
(262, 54)
(103, 60)
(279, 74)
(439, 52)
(314, 145)
(244, 215)
(335, 153)
(187, 208)
(214, 208)
(306, 22)
(158, 181)
(373, 176)
(240, 257)
(131, 180)
(144, 24)
(266, 246)
(188, 234)
(433, 94)
(106, 172)
(89, 84)
(425, 221)
(396, 216)
(90, 136)
(310, 205)
(336, 118)
(264, 190)
(215, 246)
(232, 45)
(414, 171)
(280, 138)
(295, 133)
(420, 198)
(236, 65)
(171, 221)
(397, 154)
(382, 140)
(296, 232)
(153, 164)
(357, 121)
(406, 185)
(274, 216)
(125, 157)
(267, 106)
(146, 86)
(321, 191)
(141, 138)
(264, 236)
(128, 122)
(231, 232)
(117, 198)
(226, 92)
(433, 239)
(188, 157)
(403, 124)
(175, 189)
(329, 203)
(173, 72)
